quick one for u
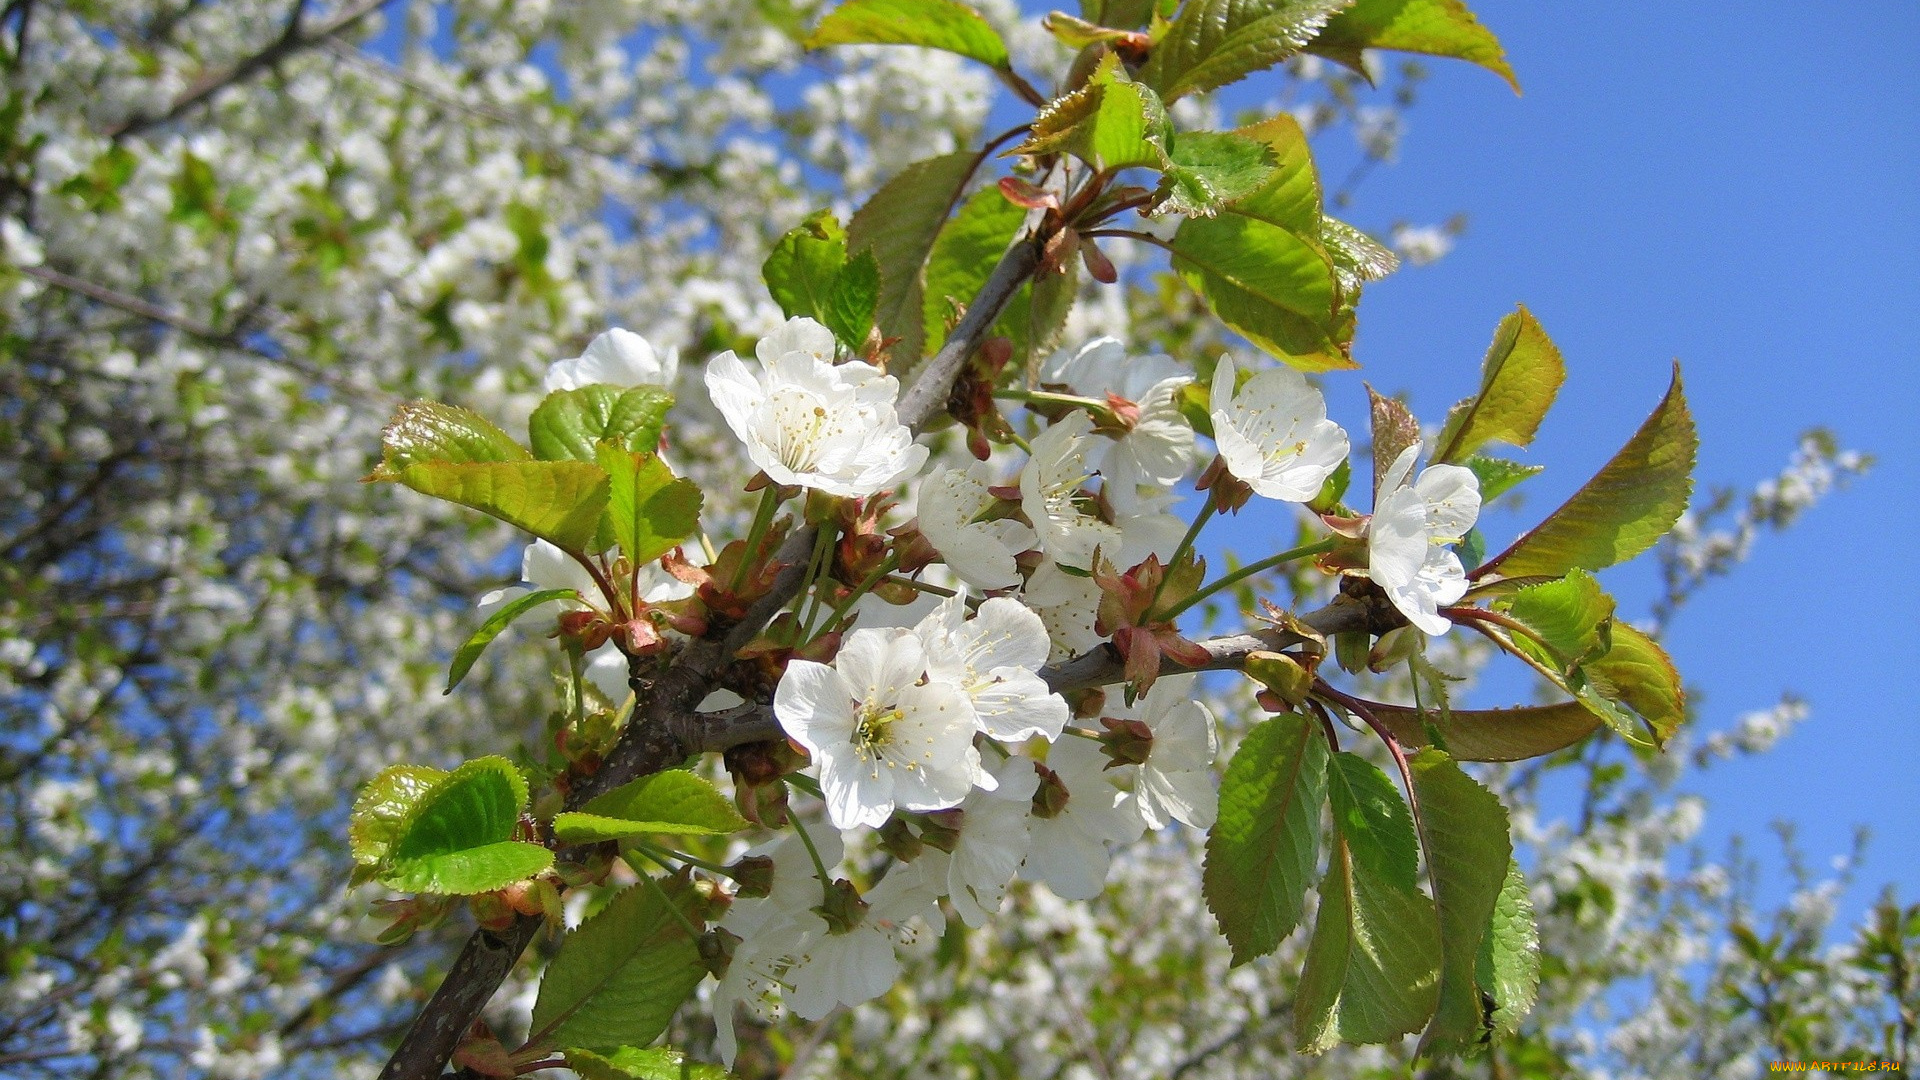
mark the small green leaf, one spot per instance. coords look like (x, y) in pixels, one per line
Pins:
(1263, 849)
(853, 299)
(1638, 672)
(1573, 616)
(617, 980)
(1464, 832)
(935, 24)
(1508, 965)
(899, 225)
(558, 501)
(1215, 42)
(1498, 476)
(1621, 512)
(1210, 169)
(1357, 257)
(469, 871)
(670, 802)
(650, 510)
(1516, 734)
(634, 1063)
(566, 425)
(801, 269)
(426, 431)
(1111, 123)
(965, 255)
(1519, 379)
(470, 651)
(1434, 27)
(380, 810)
(1373, 966)
(457, 838)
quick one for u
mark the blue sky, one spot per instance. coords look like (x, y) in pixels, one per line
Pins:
(1737, 187)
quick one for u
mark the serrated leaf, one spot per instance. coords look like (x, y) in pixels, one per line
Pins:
(634, 1063)
(470, 650)
(1464, 832)
(1357, 257)
(617, 980)
(964, 256)
(1433, 27)
(1111, 123)
(424, 431)
(1638, 672)
(1573, 616)
(899, 225)
(1508, 964)
(1498, 476)
(1519, 379)
(1038, 314)
(1209, 169)
(670, 802)
(1394, 429)
(1215, 42)
(1621, 512)
(380, 810)
(1515, 734)
(935, 24)
(557, 501)
(801, 269)
(568, 423)
(469, 871)
(853, 299)
(1262, 850)
(650, 510)
(1373, 966)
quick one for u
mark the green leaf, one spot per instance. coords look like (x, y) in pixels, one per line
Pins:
(1573, 615)
(617, 980)
(1215, 42)
(425, 431)
(1621, 512)
(1519, 379)
(1508, 965)
(1463, 830)
(853, 299)
(1638, 672)
(1263, 849)
(566, 425)
(899, 225)
(1373, 966)
(801, 269)
(1259, 263)
(965, 255)
(1434, 27)
(651, 511)
(558, 501)
(1498, 476)
(380, 810)
(1037, 316)
(1121, 14)
(457, 838)
(633, 1063)
(470, 650)
(1357, 257)
(1516, 734)
(670, 802)
(936, 24)
(1209, 169)
(1111, 123)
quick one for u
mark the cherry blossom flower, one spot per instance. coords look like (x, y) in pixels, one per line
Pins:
(994, 839)
(1068, 606)
(1142, 465)
(773, 930)
(1407, 538)
(615, 358)
(812, 423)
(1050, 494)
(858, 964)
(993, 658)
(980, 552)
(1274, 433)
(1176, 780)
(881, 736)
(1070, 838)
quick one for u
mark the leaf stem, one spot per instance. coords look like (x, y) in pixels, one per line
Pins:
(1250, 570)
(921, 586)
(1048, 397)
(1359, 708)
(693, 932)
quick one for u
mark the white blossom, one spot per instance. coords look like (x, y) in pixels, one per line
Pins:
(980, 552)
(1176, 782)
(813, 423)
(1407, 553)
(615, 358)
(993, 841)
(994, 659)
(1141, 466)
(1274, 433)
(1070, 849)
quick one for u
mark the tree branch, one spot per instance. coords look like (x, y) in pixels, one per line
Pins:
(664, 729)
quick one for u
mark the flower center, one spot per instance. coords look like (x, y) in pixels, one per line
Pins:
(801, 428)
(873, 730)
